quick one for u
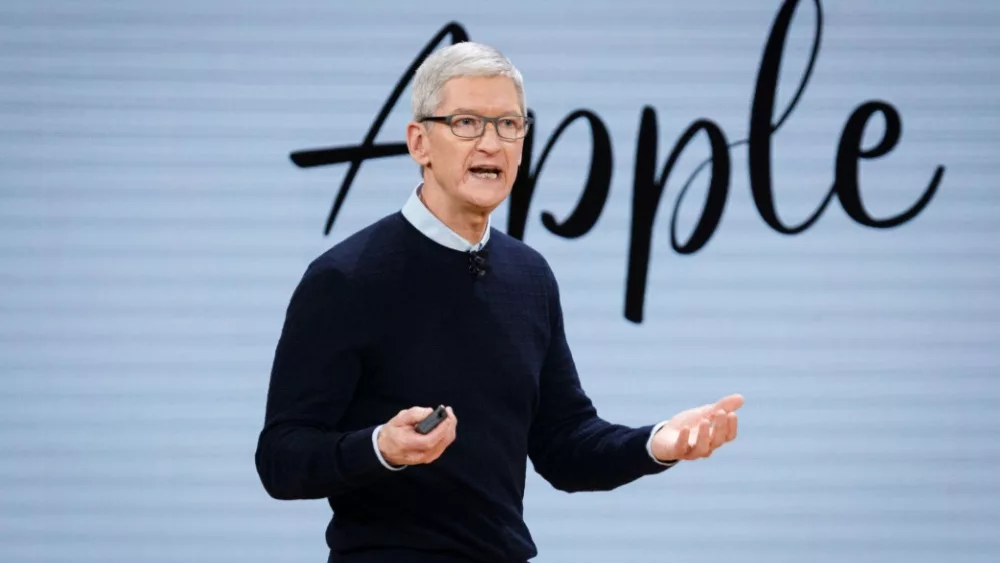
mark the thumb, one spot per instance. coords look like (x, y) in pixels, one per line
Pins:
(730, 403)
(411, 416)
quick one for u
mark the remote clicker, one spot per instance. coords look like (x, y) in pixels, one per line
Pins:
(432, 420)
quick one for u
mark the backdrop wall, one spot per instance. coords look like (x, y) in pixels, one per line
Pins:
(153, 226)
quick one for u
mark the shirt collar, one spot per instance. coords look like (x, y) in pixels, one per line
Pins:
(427, 223)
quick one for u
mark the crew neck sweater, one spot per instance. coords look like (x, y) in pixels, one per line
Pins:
(389, 319)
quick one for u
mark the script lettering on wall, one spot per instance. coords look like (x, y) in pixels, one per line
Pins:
(648, 187)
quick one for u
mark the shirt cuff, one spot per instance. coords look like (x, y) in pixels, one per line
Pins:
(649, 446)
(378, 453)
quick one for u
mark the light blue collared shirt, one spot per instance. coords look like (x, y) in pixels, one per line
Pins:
(427, 223)
(433, 228)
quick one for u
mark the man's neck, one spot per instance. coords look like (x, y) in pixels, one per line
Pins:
(469, 224)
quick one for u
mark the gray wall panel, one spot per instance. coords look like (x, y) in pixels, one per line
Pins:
(152, 229)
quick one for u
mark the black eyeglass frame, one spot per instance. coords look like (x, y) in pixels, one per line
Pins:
(486, 121)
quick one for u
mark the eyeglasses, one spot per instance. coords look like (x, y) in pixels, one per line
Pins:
(471, 126)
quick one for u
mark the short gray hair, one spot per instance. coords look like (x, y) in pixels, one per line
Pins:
(458, 60)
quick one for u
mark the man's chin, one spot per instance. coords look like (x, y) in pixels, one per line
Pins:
(484, 196)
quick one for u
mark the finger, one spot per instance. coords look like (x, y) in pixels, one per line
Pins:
(729, 403)
(439, 434)
(445, 439)
(424, 450)
(453, 420)
(411, 416)
(447, 426)
(696, 430)
(692, 441)
(450, 421)
(681, 446)
(435, 452)
(733, 420)
(449, 438)
(445, 433)
(703, 445)
(720, 429)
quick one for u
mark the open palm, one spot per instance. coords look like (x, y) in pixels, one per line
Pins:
(698, 432)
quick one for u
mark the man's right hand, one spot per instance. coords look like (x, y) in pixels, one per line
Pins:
(401, 444)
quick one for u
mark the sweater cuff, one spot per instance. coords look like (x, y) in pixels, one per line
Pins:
(356, 457)
(649, 446)
(378, 452)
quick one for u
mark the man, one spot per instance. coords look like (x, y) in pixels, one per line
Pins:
(431, 306)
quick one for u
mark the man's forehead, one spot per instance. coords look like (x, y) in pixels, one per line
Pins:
(480, 94)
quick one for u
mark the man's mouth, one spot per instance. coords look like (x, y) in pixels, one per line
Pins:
(486, 172)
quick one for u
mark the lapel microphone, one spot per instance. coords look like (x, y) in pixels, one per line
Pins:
(478, 263)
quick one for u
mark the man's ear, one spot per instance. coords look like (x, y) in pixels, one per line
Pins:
(418, 143)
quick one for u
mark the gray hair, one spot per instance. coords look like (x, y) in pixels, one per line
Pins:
(458, 60)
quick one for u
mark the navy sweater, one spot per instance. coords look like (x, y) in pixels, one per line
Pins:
(389, 319)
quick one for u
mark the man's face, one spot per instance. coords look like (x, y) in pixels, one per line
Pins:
(472, 173)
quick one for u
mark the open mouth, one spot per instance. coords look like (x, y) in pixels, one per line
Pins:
(485, 172)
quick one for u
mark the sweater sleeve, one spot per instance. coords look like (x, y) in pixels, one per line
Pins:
(570, 446)
(300, 452)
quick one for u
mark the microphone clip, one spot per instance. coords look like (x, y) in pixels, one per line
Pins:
(478, 263)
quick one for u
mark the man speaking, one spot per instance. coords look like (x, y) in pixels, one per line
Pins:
(429, 307)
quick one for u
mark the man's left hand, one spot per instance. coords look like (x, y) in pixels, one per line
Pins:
(698, 432)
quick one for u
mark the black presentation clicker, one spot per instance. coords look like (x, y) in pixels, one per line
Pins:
(432, 420)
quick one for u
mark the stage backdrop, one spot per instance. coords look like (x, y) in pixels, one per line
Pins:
(836, 261)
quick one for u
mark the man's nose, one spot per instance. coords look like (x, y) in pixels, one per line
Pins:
(490, 139)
